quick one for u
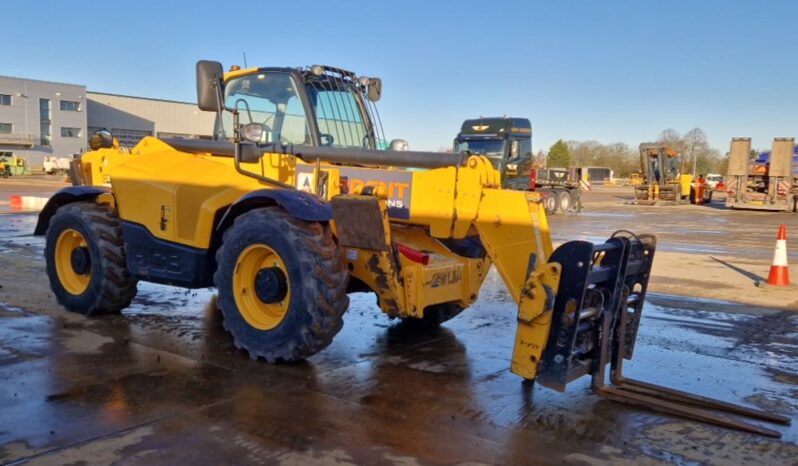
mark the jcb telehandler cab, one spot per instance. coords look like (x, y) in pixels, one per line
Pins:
(293, 205)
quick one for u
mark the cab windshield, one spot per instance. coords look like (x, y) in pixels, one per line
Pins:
(339, 113)
(492, 149)
(272, 99)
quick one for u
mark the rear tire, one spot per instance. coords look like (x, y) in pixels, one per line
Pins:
(302, 320)
(564, 203)
(550, 202)
(86, 264)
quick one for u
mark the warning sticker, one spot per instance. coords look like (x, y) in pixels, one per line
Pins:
(304, 182)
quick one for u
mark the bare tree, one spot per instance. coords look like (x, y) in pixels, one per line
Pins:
(618, 156)
(697, 156)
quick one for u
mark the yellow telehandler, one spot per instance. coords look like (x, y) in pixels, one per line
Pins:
(296, 202)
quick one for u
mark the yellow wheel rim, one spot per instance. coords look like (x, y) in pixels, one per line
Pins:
(257, 313)
(73, 282)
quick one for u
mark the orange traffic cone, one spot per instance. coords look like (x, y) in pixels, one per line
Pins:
(779, 272)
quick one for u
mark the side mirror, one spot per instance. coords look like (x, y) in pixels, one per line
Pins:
(209, 85)
(515, 149)
(398, 145)
(375, 89)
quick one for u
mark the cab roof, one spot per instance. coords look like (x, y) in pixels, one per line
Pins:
(497, 125)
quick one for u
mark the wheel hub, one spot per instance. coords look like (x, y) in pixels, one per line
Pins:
(80, 260)
(270, 285)
(72, 261)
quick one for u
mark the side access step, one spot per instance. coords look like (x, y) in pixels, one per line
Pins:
(596, 316)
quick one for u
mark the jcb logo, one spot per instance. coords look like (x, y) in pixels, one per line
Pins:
(448, 277)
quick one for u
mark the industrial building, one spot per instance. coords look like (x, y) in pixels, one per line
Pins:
(132, 118)
(41, 119)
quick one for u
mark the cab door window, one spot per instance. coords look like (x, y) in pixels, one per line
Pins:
(269, 98)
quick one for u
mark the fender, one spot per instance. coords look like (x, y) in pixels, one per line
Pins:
(63, 197)
(298, 204)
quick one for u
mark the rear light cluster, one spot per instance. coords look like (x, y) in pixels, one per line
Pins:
(413, 254)
(533, 178)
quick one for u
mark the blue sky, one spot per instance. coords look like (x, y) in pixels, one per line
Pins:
(612, 71)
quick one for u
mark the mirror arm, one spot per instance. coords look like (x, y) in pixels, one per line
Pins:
(217, 84)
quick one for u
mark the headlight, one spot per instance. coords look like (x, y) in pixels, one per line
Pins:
(399, 145)
(252, 132)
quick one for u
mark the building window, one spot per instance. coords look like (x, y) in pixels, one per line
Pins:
(6, 128)
(4, 154)
(5, 99)
(70, 106)
(70, 132)
(44, 112)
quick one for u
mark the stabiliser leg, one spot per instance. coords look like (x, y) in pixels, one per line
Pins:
(595, 320)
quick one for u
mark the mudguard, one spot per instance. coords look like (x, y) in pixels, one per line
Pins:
(298, 204)
(63, 197)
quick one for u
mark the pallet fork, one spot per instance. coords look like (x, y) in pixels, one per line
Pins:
(609, 296)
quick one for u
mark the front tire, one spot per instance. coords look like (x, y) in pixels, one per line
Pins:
(282, 285)
(85, 256)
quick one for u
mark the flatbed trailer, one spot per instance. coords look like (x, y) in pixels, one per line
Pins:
(770, 183)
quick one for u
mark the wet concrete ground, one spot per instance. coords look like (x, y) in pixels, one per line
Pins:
(162, 384)
(708, 229)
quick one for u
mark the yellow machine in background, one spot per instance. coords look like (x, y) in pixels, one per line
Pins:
(13, 166)
(662, 179)
(294, 205)
(5, 168)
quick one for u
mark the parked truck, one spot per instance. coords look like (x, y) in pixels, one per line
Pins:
(56, 165)
(507, 143)
(769, 183)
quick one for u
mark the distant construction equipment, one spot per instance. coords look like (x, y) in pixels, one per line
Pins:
(770, 182)
(13, 165)
(662, 181)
